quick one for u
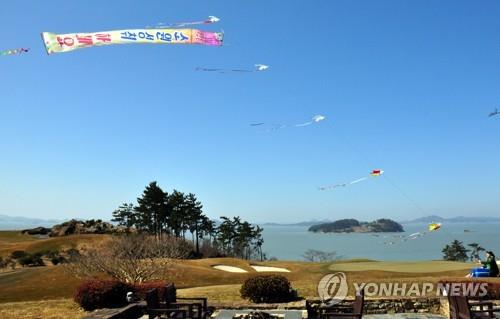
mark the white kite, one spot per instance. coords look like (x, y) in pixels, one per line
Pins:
(209, 20)
(258, 68)
(261, 67)
(314, 120)
(373, 173)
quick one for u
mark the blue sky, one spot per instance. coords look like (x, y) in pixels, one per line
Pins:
(406, 87)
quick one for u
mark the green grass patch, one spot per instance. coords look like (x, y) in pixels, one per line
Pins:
(403, 266)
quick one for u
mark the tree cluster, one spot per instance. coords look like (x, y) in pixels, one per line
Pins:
(160, 213)
(239, 238)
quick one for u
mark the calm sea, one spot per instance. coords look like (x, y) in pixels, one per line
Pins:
(290, 242)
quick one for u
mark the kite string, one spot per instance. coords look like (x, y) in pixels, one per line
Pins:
(385, 176)
(405, 195)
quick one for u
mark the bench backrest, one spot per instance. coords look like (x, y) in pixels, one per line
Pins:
(359, 302)
(152, 299)
(170, 294)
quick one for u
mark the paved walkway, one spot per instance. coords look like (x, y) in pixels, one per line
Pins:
(405, 316)
(299, 314)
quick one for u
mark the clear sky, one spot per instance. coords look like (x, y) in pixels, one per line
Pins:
(406, 87)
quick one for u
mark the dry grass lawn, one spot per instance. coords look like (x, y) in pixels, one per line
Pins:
(14, 240)
(46, 309)
(46, 292)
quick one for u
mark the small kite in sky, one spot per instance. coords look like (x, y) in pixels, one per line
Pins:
(14, 51)
(55, 43)
(373, 173)
(434, 226)
(496, 112)
(257, 68)
(209, 20)
(430, 228)
(261, 67)
(314, 120)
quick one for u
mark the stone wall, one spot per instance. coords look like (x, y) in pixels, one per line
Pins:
(394, 305)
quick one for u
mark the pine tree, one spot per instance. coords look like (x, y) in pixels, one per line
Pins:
(177, 220)
(125, 215)
(455, 251)
(476, 249)
(194, 210)
(153, 210)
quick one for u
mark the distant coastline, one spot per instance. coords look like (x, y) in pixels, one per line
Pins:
(19, 222)
(458, 219)
(421, 220)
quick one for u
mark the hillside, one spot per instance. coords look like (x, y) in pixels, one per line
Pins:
(15, 240)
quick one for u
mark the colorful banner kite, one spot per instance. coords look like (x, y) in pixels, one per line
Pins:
(55, 43)
(373, 173)
(13, 52)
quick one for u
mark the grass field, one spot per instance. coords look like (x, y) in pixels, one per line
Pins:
(198, 277)
(49, 290)
(47, 309)
(14, 240)
(407, 266)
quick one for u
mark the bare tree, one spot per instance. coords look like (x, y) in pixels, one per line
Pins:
(131, 258)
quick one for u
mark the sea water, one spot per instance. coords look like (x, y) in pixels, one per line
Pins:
(290, 242)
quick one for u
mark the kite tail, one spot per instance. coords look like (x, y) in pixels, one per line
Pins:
(179, 24)
(358, 180)
(303, 124)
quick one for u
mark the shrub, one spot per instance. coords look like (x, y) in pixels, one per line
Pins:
(267, 288)
(141, 289)
(50, 253)
(7, 262)
(132, 259)
(56, 260)
(18, 254)
(210, 250)
(31, 260)
(72, 254)
(94, 294)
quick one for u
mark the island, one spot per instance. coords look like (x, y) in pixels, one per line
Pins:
(354, 226)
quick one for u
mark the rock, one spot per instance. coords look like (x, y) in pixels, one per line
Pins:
(36, 231)
(74, 227)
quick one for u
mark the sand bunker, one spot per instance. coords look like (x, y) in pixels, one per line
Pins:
(269, 269)
(229, 268)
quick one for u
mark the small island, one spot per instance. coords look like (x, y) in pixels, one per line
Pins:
(354, 226)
